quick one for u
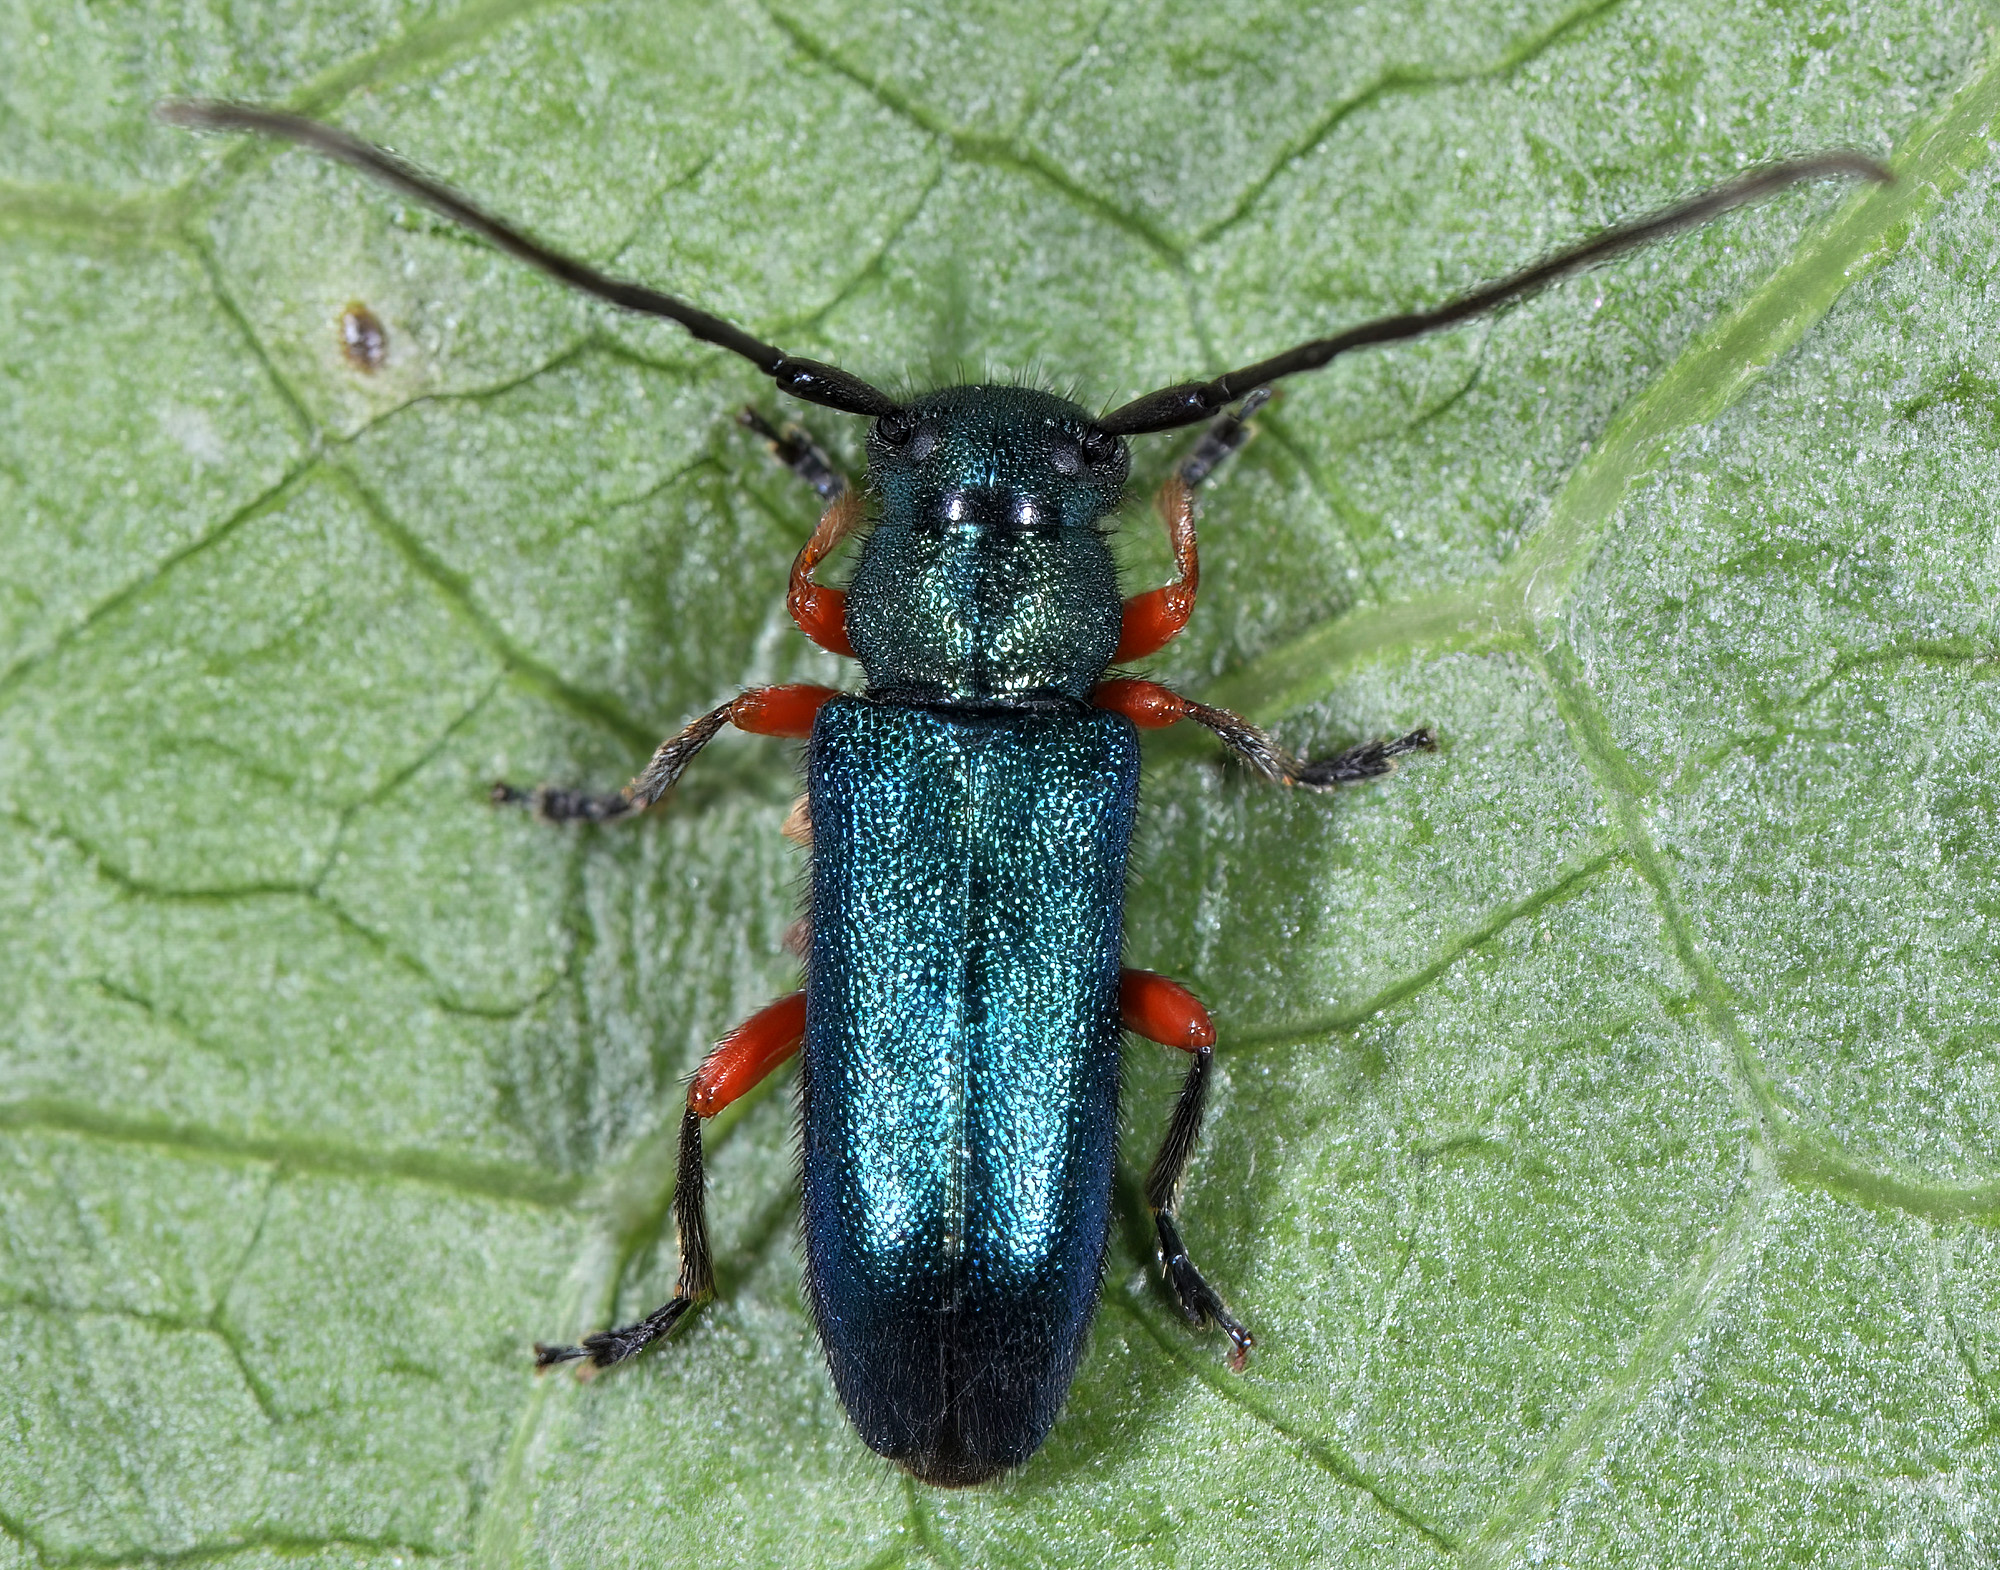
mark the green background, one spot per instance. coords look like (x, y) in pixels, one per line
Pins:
(1604, 1152)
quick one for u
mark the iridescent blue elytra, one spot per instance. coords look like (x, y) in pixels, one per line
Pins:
(971, 815)
(960, 1079)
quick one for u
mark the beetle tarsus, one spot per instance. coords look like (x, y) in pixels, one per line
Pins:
(614, 1346)
(553, 804)
(1200, 1303)
(1370, 760)
(1260, 752)
(1226, 436)
(794, 447)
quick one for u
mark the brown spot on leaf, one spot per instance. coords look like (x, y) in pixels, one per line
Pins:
(363, 338)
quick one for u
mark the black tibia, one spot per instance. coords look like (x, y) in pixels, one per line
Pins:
(697, 1277)
(1224, 438)
(1256, 748)
(797, 451)
(654, 781)
(1199, 1301)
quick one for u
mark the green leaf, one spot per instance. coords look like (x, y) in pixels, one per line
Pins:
(1605, 1150)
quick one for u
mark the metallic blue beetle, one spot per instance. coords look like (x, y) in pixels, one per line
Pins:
(970, 813)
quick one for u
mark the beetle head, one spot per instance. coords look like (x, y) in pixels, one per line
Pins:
(996, 457)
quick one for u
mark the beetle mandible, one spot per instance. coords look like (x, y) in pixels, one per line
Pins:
(970, 813)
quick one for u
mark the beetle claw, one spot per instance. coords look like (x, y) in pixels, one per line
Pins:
(1199, 1302)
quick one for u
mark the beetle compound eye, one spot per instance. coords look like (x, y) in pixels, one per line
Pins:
(896, 427)
(901, 431)
(1065, 456)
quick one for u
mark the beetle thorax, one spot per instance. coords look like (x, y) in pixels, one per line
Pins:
(976, 614)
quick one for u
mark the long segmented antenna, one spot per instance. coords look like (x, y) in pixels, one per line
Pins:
(1189, 403)
(811, 380)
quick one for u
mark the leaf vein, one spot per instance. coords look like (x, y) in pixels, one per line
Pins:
(1805, 1156)
(1322, 1452)
(1395, 82)
(474, 1179)
(970, 147)
(1336, 1021)
(264, 502)
(1595, 1423)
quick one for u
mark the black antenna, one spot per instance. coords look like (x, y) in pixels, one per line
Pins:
(811, 380)
(1189, 403)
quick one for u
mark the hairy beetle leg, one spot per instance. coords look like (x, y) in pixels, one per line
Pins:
(1200, 1303)
(1162, 1010)
(738, 1064)
(745, 1057)
(1154, 619)
(762, 711)
(821, 613)
(1151, 706)
(697, 1276)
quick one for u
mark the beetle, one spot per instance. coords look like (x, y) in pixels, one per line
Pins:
(969, 814)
